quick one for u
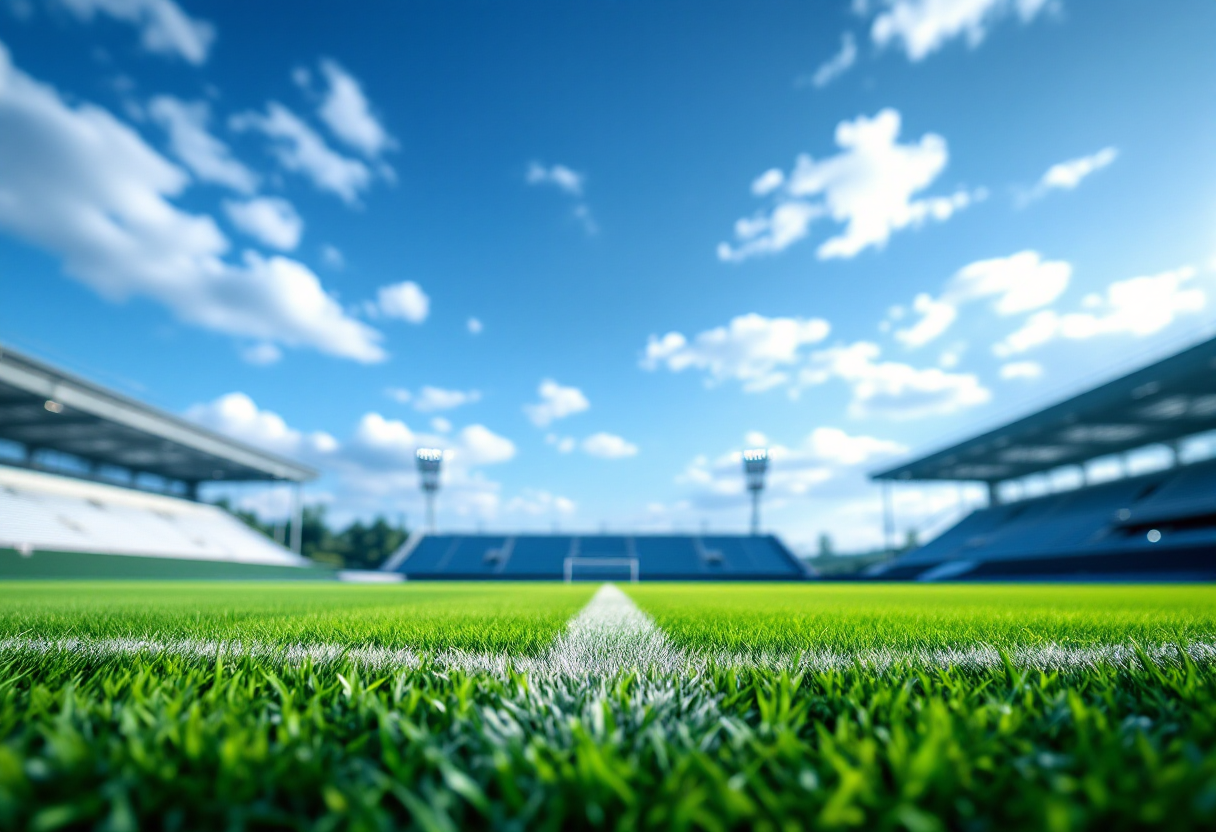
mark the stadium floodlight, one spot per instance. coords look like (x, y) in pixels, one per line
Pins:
(755, 466)
(430, 460)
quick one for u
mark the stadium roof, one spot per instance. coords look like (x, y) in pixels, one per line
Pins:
(1168, 400)
(43, 407)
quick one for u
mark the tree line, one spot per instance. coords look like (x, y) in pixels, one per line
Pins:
(358, 546)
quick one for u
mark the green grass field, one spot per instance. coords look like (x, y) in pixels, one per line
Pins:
(529, 706)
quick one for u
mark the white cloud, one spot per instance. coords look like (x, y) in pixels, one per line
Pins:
(301, 150)
(1018, 283)
(564, 444)
(835, 446)
(922, 27)
(838, 64)
(481, 446)
(751, 349)
(269, 219)
(537, 503)
(559, 176)
(346, 111)
(236, 415)
(164, 28)
(375, 467)
(869, 187)
(262, 355)
(767, 182)
(441, 425)
(430, 399)
(936, 316)
(348, 114)
(207, 157)
(399, 394)
(474, 326)
(1138, 306)
(608, 446)
(825, 454)
(556, 402)
(1065, 176)
(1021, 369)
(83, 185)
(404, 300)
(892, 389)
(332, 257)
(569, 182)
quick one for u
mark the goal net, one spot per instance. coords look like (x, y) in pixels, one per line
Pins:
(601, 569)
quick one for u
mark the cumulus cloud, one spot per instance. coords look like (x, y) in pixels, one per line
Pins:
(569, 182)
(165, 29)
(430, 399)
(238, 416)
(608, 446)
(300, 149)
(556, 402)
(405, 301)
(271, 220)
(824, 454)
(77, 182)
(564, 444)
(838, 64)
(1015, 284)
(348, 114)
(560, 176)
(374, 468)
(757, 351)
(1065, 176)
(1021, 370)
(892, 389)
(921, 27)
(869, 187)
(190, 141)
(1139, 306)
(538, 503)
(332, 257)
(262, 355)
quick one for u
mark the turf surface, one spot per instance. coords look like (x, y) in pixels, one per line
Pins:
(517, 618)
(183, 740)
(910, 617)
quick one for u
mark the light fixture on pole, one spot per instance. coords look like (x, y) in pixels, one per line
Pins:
(755, 466)
(430, 460)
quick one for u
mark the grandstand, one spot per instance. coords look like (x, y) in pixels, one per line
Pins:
(77, 462)
(595, 557)
(1159, 525)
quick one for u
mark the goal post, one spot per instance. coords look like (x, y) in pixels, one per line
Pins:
(601, 565)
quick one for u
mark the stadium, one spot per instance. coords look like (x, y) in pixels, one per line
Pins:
(615, 417)
(98, 486)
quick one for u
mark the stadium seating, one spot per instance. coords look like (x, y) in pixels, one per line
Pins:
(1159, 524)
(545, 557)
(47, 513)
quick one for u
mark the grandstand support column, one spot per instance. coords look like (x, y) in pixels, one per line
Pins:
(994, 493)
(297, 517)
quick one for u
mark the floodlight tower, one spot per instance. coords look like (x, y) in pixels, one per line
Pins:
(430, 460)
(755, 466)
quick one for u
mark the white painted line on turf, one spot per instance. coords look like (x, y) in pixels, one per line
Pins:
(609, 635)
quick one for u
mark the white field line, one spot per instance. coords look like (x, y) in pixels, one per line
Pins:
(606, 637)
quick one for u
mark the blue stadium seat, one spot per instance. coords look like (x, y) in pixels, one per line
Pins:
(543, 557)
(1163, 520)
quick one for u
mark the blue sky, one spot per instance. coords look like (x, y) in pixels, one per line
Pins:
(597, 249)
